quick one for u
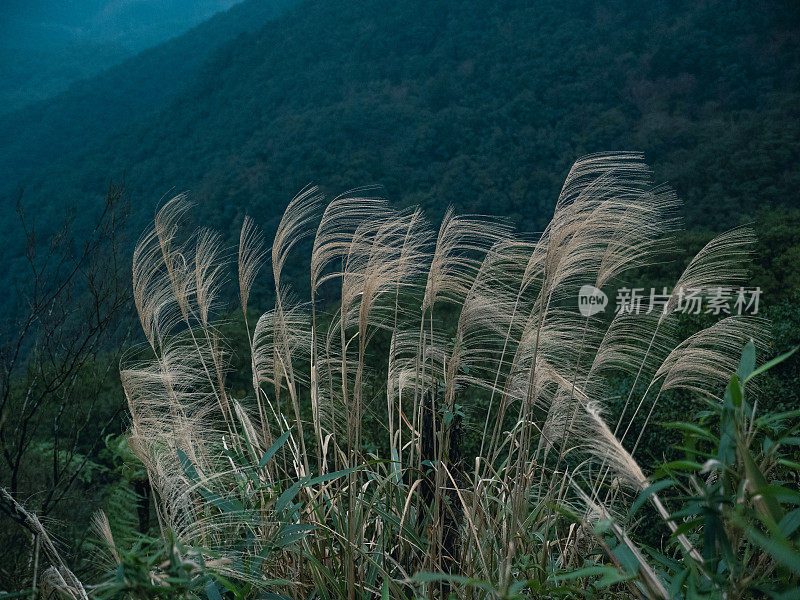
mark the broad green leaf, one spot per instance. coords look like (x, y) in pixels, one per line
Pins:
(291, 534)
(678, 465)
(647, 492)
(783, 553)
(769, 364)
(609, 575)
(296, 528)
(790, 522)
(274, 448)
(602, 526)
(385, 590)
(677, 583)
(331, 476)
(286, 497)
(691, 428)
(748, 361)
(735, 389)
(187, 465)
(767, 504)
(626, 558)
(211, 590)
(780, 493)
(727, 435)
(687, 526)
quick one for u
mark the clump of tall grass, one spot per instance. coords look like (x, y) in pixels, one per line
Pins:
(279, 489)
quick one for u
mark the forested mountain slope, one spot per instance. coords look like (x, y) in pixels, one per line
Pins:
(483, 105)
(47, 44)
(90, 111)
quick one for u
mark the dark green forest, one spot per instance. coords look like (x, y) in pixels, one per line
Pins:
(483, 106)
(47, 45)
(91, 111)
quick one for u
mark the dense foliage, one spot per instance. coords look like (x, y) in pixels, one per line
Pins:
(340, 470)
(483, 106)
(90, 112)
(46, 45)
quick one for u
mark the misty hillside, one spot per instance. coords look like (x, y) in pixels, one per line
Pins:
(45, 45)
(91, 111)
(134, 24)
(484, 108)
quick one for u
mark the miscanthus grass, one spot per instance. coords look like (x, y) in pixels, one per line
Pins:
(278, 491)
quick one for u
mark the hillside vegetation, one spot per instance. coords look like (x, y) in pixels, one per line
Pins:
(47, 44)
(342, 470)
(443, 419)
(91, 112)
(482, 107)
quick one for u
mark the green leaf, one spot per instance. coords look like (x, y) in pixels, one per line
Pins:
(609, 575)
(224, 504)
(769, 364)
(297, 527)
(727, 435)
(274, 448)
(677, 583)
(775, 419)
(288, 495)
(291, 534)
(678, 465)
(187, 465)
(647, 492)
(789, 523)
(385, 590)
(627, 559)
(687, 526)
(747, 363)
(735, 390)
(783, 553)
(332, 475)
(790, 595)
(425, 577)
(448, 417)
(692, 429)
(602, 526)
(334, 582)
(780, 493)
(211, 590)
(767, 503)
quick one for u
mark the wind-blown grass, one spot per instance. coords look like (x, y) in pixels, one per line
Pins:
(292, 505)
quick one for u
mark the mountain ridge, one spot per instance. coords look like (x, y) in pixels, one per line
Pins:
(95, 108)
(482, 108)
